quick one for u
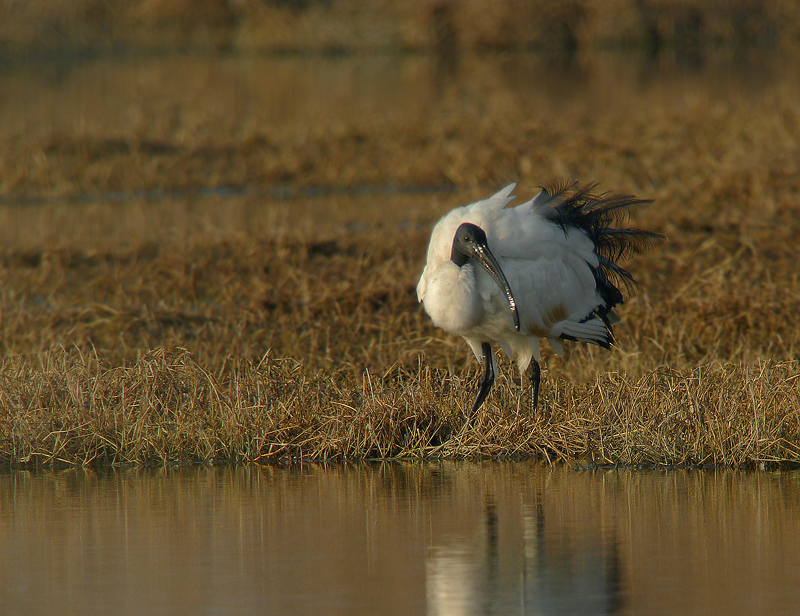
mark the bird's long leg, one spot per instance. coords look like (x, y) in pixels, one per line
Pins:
(536, 375)
(486, 380)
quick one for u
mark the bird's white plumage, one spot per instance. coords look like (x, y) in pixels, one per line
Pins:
(548, 267)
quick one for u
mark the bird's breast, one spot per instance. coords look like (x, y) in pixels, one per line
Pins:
(451, 298)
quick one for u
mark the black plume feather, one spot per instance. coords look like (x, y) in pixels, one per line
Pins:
(596, 214)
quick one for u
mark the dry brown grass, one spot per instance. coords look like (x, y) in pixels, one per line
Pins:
(317, 349)
(299, 316)
(167, 408)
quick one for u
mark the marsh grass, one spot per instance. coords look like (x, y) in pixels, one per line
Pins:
(277, 347)
(316, 348)
(204, 328)
(167, 408)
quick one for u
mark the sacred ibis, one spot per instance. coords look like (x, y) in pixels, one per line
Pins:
(544, 269)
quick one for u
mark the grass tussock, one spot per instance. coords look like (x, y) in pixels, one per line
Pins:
(167, 408)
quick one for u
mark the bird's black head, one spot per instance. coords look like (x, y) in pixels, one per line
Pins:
(470, 244)
(469, 241)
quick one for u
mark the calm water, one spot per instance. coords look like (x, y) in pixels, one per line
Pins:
(491, 538)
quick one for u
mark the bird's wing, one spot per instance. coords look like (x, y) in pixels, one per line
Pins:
(549, 268)
(422, 285)
(554, 286)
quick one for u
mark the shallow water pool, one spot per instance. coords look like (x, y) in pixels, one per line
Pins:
(437, 538)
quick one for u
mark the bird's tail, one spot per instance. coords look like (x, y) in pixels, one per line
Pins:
(595, 331)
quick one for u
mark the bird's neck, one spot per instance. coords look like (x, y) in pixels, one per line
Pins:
(458, 257)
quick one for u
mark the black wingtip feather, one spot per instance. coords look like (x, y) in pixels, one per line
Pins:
(597, 215)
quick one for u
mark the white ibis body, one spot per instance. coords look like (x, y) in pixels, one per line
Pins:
(547, 268)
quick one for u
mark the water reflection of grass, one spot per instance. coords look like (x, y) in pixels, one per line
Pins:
(520, 530)
(441, 26)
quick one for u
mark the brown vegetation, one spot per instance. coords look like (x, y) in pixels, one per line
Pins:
(200, 327)
(167, 408)
(335, 26)
(318, 349)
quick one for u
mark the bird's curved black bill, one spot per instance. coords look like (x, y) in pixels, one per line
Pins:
(485, 257)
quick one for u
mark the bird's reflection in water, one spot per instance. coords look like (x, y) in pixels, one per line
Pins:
(549, 572)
